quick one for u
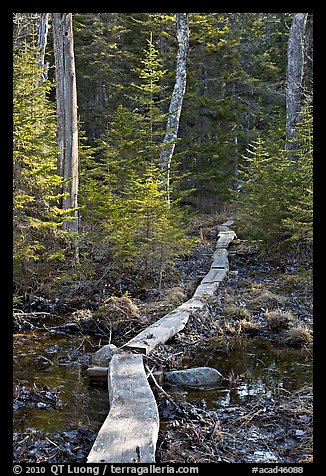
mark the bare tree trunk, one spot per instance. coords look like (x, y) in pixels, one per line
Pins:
(236, 158)
(294, 74)
(42, 42)
(182, 33)
(59, 73)
(66, 112)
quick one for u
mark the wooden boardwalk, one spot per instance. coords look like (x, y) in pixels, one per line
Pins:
(129, 433)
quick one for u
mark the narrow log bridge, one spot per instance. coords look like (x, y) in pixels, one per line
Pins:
(129, 433)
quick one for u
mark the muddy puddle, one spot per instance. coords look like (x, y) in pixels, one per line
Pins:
(255, 369)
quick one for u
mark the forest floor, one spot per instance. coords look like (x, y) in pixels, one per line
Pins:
(262, 300)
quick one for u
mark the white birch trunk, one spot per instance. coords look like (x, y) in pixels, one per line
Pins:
(182, 33)
(294, 74)
(66, 112)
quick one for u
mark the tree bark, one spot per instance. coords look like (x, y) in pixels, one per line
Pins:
(294, 74)
(66, 96)
(182, 33)
(42, 42)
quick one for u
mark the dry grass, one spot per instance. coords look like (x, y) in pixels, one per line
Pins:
(255, 287)
(298, 335)
(121, 318)
(82, 314)
(232, 334)
(301, 280)
(175, 296)
(249, 326)
(170, 299)
(267, 299)
(279, 319)
(237, 312)
(118, 308)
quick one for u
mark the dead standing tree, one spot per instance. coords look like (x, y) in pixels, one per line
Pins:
(294, 75)
(42, 42)
(66, 95)
(182, 33)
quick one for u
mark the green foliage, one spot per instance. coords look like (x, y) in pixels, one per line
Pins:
(300, 219)
(37, 213)
(147, 97)
(274, 197)
(122, 187)
(122, 149)
(235, 82)
(146, 233)
(151, 73)
(260, 196)
(108, 48)
(234, 102)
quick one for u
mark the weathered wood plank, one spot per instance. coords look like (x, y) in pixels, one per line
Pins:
(228, 223)
(159, 332)
(214, 275)
(129, 433)
(220, 259)
(98, 373)
(225, 226)
(206, 290)
(225, 238)
(193, 304)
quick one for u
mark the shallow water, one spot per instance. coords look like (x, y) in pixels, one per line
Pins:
(57, 362)
(257, 368)
(40, 360)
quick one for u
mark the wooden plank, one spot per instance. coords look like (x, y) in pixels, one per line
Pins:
(214, 275)
(193, 304)
(97, 372)
(129, 433)
(220, 259)
(225, 238)
(159, 332)
(226, 231)
(228, 223)
(206, 290)
(225, 227)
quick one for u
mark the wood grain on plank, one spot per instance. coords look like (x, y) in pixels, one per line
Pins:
(129, 433)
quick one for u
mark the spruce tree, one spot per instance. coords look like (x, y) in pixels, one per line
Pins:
(299, 223)
(159, 227)
(37, 215)
(261, 196)
(275, 195)
(122, 183)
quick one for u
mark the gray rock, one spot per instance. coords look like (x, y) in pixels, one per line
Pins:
(41, 405)
(102, 357)
(196, 377)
